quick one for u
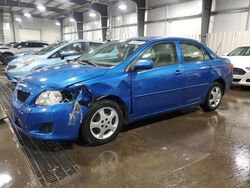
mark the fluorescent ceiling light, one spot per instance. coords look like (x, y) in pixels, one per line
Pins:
(72, 20)
(28, 15)
(41, 7)
(58, 23)
(18, 19)
(122, 7)
(92, 14)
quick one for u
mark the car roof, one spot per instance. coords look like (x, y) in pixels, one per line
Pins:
(82, 40)
(159, 38)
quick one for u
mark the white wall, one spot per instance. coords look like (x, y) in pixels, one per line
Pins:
(227, 22)
(92, 27)
(49, 31)
(124, 23)
(177, 28)
(92, 31)
(69, 30)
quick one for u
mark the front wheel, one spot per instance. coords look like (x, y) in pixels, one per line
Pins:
(103, 123)
(213, 98)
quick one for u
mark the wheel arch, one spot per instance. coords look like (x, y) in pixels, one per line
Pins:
(9, 53)
(119, 101)
(222, 82)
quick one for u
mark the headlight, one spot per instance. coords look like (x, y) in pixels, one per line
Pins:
(248, 68)
(24, 63)
(49, 98)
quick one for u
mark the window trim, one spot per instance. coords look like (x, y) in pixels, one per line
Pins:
(198, 46)
(130, 65)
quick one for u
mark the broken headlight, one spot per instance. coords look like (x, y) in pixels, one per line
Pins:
(49, 98)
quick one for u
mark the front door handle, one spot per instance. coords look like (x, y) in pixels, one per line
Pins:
(178, 72)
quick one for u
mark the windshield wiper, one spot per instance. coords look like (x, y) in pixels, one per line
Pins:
(86, 62)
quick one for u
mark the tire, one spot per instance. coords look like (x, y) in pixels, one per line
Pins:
(97, 127)
(213, 98)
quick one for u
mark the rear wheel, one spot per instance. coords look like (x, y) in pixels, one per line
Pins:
(213, 98)
(103, 123)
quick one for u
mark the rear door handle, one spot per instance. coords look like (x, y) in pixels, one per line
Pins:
(178, 72)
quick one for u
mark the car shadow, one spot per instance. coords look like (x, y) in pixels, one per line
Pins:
(146, 122)
(241, 88)
(158, 118)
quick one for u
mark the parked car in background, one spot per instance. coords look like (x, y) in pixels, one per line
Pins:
(54, 54)
(240, 58)
(12, 44)
(94, 96)
(8, 54)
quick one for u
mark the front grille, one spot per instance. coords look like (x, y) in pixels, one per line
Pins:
(238, 71)
(22, 95)
(236, 80)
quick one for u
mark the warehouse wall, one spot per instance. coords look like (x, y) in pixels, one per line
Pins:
(227, 22)
(158, 13)
(69, 30)
(49, 32)
(92, 26)
(124, 23)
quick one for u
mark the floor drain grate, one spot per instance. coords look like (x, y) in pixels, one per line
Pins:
(48, 161)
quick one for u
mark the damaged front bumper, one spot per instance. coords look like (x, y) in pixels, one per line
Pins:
(58, 122)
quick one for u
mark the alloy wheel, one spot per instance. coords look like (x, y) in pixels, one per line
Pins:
(104, 123)
(215, 96)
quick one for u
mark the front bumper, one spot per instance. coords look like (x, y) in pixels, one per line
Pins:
(57, 122)
(16, 74)
(243, 80)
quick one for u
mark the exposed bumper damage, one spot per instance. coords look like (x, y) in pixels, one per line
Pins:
(57, 122)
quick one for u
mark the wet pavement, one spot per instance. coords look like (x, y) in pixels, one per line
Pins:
(188, 148)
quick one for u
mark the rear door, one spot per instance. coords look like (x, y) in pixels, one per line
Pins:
(157, 89)
(198, 72)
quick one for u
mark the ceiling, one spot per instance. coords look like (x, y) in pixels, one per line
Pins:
(59, 9)
(55, 9)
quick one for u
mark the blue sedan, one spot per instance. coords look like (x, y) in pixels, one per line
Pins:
(116, 84)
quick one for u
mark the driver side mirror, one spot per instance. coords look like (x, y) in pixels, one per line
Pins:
(143, 64)
(19, 47)
(62, 55)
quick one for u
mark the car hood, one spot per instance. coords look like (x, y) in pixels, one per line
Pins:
(239, 61)
(26, 57)
(63, 75)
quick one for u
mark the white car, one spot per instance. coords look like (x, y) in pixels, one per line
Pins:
(240, 58)
(8, 53)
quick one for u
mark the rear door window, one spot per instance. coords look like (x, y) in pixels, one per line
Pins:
(192, 52)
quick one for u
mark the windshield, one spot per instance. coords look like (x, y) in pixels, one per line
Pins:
(50, 48)
(112, 53)
(241, 51)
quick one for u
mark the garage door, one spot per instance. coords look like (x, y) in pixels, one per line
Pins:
(29, 34)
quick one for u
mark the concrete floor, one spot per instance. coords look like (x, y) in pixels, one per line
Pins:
(188, 148)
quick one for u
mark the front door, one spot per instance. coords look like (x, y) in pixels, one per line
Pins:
(157, 89)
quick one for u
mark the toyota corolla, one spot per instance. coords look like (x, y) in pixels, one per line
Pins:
(120, 82)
